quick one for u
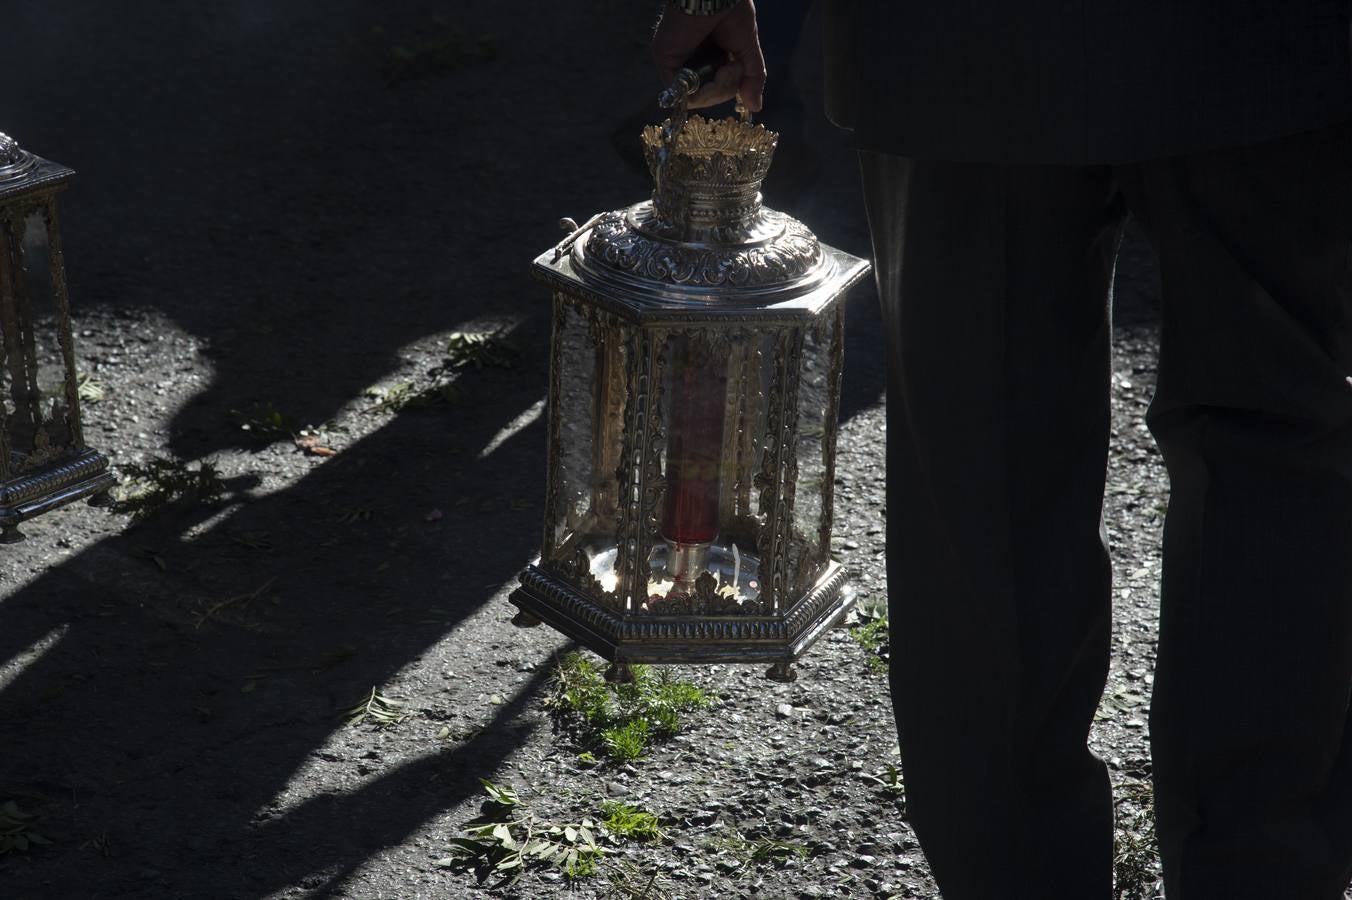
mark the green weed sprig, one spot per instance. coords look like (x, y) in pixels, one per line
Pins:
(622, 720)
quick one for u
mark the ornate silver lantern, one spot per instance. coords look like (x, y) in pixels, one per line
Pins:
(694, 390)
(44, 462)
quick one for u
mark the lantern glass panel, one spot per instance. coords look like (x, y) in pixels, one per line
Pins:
(36, 387)
(811, 509)
(575, 515)
(710, 448)
(750, 376)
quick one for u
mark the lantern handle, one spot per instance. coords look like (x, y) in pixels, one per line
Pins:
(574, 232)
(676, 97)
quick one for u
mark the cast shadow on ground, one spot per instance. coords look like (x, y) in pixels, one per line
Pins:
(306, 188)
(163, 729)
(386, 811)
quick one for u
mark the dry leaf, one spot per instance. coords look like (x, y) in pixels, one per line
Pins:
(312, 445)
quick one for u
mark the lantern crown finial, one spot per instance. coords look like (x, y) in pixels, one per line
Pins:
(15, 162)
(709, 186)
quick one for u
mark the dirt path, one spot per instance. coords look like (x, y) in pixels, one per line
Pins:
(283, 211)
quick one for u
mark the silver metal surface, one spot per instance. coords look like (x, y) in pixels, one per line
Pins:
(704, 237)
(23, 173)
(701, 263)
(54, 486)
(15, 162)
(685, 638)
(685, 563)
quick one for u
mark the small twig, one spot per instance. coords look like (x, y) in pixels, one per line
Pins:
(211, 611)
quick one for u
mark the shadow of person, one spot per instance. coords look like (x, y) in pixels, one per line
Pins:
(306, 188)
(195, 667)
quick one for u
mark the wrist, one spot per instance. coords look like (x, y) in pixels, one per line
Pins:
(703, 7)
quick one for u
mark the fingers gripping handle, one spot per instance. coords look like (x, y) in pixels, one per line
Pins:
(676, 97)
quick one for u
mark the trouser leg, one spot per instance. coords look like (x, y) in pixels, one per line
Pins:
(1253, 415)
(994, 284)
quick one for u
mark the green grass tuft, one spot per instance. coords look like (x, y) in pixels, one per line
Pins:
(872, 634)
(621, 720)
(627, 741)
(623, 820)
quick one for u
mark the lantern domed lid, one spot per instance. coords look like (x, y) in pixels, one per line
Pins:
(703, 247)
(15, 162)
(704, 239)
(24, 175)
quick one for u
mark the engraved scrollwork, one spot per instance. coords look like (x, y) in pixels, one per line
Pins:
(9, 150)
(655, 484)
(837, 363)
(554, 478)
(766, 479)
(577, 566)
(779, 468)
(671, 605)
(793, 255)
(737, 150)
(704, 599)
(629, 472)
(788, 481)
(15, 162)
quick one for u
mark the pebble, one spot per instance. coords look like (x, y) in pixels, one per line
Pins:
(784, 710)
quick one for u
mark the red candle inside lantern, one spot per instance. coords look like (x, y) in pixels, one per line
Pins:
(696, 402)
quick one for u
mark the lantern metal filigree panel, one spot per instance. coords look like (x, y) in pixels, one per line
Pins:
(694, 391)
(44, 462)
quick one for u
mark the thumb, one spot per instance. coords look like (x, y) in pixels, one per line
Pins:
(752, 89)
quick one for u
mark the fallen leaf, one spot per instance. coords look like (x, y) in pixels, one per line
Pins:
(313, 445)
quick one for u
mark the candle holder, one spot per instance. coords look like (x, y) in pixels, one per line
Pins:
(693, 401)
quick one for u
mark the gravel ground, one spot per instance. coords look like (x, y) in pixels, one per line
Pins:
(284, 211)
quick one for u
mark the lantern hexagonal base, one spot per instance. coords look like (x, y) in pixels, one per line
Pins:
(684, 639)
(37, 492)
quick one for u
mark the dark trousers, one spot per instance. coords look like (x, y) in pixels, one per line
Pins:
(995, 284)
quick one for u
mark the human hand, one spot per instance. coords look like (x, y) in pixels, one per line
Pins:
(732, 34)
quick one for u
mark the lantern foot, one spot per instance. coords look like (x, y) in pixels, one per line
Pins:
(782, 671)
(10, 534)
(620, 673)
(523, 619)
